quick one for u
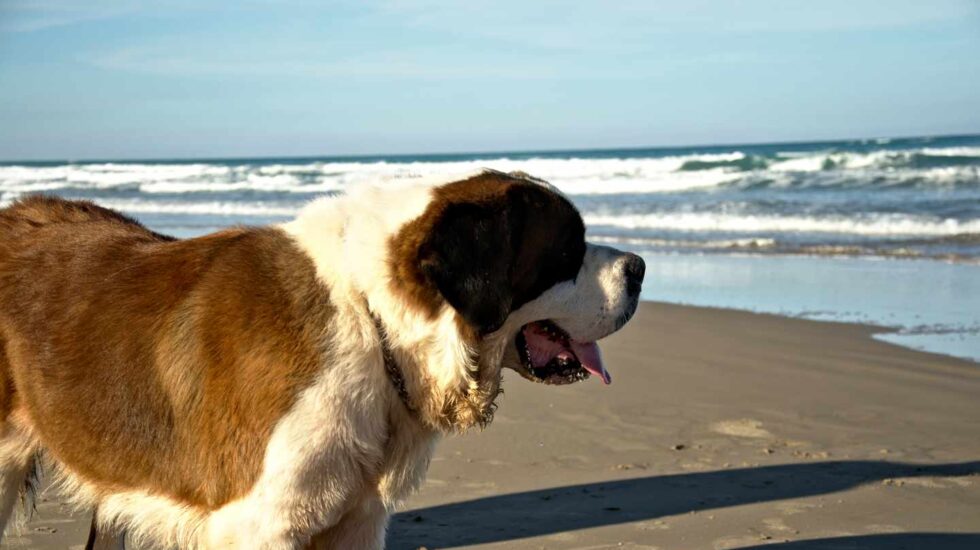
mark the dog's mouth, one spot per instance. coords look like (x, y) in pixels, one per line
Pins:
(549, 355)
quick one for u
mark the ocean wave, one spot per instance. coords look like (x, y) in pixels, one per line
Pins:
(931, 249)
(966, 157)
(924, 167)
(254, 182)
(864, 224)
(105, 176)
(952, 151)
(749, 243)
(877, 225)
(212, 208)
(741, 164)
(573, 175)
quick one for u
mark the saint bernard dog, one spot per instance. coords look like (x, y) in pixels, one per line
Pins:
(282, 387)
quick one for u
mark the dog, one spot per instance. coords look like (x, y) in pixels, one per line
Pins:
(282, 387)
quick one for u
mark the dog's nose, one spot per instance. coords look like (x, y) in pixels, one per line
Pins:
(634, 270)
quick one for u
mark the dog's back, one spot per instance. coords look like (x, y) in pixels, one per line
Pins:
(28, 224)
(39, 210)
(25, 217)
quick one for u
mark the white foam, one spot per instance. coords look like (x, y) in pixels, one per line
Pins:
(748, 242)
(215, 208)
(885, 160)
(38, 186)
(574, 176)
(812, 163)
(879, 224)
(254, 182)
(952, 151)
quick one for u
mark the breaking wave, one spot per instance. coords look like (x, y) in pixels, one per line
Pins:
(922, 167)
(838, 196)
(868, 224)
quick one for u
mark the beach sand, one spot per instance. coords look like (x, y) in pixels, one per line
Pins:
(721, 429)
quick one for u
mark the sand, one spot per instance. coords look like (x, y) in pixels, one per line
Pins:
(721, 429)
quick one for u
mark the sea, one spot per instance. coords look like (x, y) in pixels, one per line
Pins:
(879, 231)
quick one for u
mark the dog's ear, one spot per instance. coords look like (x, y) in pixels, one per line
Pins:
(492, 243)
(469, 255)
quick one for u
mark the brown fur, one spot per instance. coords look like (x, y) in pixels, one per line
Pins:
(147, 362)
(7, 392)
(498, 191)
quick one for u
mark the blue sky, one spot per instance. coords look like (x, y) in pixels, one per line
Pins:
(198, 78)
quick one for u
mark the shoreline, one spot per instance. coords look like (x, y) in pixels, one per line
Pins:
(873, 331)
(923, 305)
(721, 429)
(496, 153)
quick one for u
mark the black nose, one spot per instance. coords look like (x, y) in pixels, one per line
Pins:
(634, 270)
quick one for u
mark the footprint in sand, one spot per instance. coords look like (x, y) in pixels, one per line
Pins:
(793, 508)
(741, 541)
(618, 545)
(743, 427)
(884, 528)
(777, 525)
(927, 482)
(653, 525)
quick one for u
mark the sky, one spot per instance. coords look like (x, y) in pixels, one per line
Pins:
(115, 79)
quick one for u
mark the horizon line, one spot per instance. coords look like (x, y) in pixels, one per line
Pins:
(459, 154)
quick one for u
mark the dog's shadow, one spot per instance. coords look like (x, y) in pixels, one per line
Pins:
(548, 511)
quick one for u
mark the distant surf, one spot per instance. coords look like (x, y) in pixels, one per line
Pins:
(916, 197)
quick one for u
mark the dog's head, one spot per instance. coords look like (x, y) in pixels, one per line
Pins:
(507, 253)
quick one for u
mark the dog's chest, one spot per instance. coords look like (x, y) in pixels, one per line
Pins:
(407, 453)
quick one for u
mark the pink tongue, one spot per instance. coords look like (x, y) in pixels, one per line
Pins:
(588, 354)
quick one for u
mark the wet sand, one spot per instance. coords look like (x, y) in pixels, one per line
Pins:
(721, 429)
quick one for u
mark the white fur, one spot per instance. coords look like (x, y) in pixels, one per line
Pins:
(17, 449)
(589, 307)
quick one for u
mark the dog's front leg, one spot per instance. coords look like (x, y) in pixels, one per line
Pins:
(362, 527)
(99, 539)
(286, 508)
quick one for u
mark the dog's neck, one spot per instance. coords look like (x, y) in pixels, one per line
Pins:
(392, 369)
(448, 380)
(462, 397)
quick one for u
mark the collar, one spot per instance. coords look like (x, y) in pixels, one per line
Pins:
(392, 369)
